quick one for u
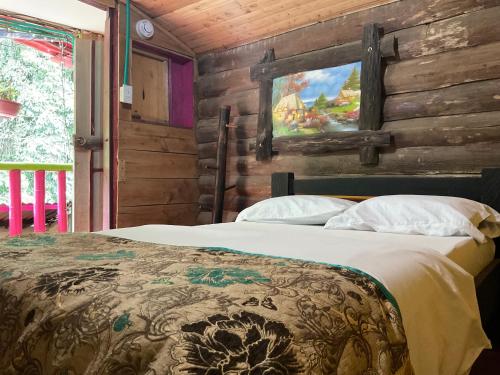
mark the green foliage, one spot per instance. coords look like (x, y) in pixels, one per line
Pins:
(353, 82)
(321, 102)
(42, 131)
(7, 91)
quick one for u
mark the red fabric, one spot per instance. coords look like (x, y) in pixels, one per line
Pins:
(54, 49)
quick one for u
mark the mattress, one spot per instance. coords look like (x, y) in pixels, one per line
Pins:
(271, 238)
(431, 278)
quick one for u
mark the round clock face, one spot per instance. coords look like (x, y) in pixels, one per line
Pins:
(145, 29)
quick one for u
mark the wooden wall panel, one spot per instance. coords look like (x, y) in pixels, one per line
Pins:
(158, 176)
(156, 166)
(150, 81)
(150, 137)
(180, 214)
(442, 108)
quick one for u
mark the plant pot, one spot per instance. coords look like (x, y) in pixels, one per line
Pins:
(9, 108)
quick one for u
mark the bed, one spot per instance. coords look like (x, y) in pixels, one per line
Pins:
(483, 188)
(250, 298)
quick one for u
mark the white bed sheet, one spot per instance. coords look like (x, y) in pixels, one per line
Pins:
(443, 338)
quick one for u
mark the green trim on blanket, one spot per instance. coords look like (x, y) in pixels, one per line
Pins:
(382, 287)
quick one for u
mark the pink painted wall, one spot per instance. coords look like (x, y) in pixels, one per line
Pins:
(181, 95)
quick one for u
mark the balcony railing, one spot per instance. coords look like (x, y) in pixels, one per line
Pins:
(39, 205)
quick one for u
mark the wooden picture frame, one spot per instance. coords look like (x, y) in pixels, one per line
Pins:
(370, 51)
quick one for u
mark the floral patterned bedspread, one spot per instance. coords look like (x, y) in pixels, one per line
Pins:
(92, 304)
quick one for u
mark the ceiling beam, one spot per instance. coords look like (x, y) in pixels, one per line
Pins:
(101, 4)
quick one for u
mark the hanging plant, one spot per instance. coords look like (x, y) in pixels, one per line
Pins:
(9, 108)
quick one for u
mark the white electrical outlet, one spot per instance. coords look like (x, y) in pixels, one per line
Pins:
(126, 94)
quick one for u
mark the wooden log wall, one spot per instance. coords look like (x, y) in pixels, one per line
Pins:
(156, 166)
(442, 106)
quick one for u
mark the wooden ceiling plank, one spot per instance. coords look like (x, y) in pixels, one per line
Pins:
(217, 10)
(156, 8)
(246, 23)
(271, 24)
(206, 25)
(101, 4)
(215, 24)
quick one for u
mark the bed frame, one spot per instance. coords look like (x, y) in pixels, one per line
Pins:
(483, 188)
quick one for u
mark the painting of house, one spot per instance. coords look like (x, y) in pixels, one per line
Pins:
(317, 101)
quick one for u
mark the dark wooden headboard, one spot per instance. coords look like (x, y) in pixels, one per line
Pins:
(483, 188)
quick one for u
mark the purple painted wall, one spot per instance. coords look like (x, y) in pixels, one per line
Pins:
(181, 94)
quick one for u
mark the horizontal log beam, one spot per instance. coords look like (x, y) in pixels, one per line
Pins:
(468, 30)
(466, 97)
(425, 131)
(241, 103)
(392, 17)
(242, 127)
(465, 30)
(483, 96)
(324, 58)
(438, 71)
(410, 160)
(469, 121)
(331, 142)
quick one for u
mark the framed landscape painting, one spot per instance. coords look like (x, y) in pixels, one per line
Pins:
(317, 101)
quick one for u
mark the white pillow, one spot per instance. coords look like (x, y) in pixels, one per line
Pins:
(295, 209)
(420, 214)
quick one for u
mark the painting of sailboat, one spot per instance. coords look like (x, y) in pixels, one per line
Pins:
(317, 101)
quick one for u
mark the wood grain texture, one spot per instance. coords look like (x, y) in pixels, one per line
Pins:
(150, 83)
(146, 192)
(392, 17)
(102, 4)
(243, 127)
(411, 160)
(146, 164)
(150, 137)
(220, 177)
(82, 215)
(162, 37)
(443, 108)
(466, 98)
(156, 173)
(467, 30)
(331, 142)
(242, 103)
(211, 24)
(264, 145)
(372, 92)
(180, 214)
(444, 69)
(427, 131)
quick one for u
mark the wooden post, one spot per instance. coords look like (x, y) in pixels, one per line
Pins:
(16, 210)
(62, 215)
(39, 206)
(282, 184)
(220, 178)
(264, 144)
(371, 90)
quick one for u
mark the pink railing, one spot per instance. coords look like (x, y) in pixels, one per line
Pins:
(39, 205)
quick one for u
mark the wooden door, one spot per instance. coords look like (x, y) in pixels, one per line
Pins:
(150, 89)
